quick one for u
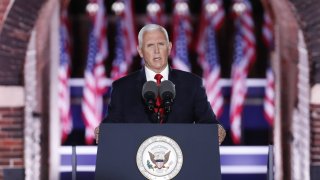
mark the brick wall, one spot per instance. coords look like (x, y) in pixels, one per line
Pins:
(293, 15)
(315, 141)
(14, 37)
(17, 20)
(15, 33)
(3, 9)
(308, 15)
(11, 138)
(286, 71)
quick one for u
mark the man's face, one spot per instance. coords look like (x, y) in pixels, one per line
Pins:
(155, 50)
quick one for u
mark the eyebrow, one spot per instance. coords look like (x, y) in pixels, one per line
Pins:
(151, 43)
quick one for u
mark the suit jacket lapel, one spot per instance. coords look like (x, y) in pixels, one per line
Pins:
(140, 80)
(172, 75)
(174, 79)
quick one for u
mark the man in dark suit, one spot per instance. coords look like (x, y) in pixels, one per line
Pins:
(190, 104)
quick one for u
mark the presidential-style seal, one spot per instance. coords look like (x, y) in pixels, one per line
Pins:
(159, 157)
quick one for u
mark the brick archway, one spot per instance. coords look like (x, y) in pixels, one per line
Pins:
(295, 24)
(18, 19)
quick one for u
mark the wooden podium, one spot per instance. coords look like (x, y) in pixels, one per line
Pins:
(119, 144)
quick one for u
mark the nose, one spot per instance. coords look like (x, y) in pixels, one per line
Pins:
(156, 50)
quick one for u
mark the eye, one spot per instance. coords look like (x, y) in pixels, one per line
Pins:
(150, 45)
(162, 44)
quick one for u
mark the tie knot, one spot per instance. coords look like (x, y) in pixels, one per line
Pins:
(158, 77)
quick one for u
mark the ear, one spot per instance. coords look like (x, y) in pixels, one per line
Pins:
(169, 47)
(140, 51)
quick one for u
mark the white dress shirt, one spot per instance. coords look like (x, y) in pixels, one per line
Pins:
(150, 74)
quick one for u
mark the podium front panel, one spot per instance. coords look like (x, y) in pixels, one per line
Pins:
(119, 144)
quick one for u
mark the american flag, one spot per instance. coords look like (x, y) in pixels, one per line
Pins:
(182, 32)
(269, 99)
(212, 18)
(119, 64)
(95, 82)
(244, 56)
(212, 74)
(212, 14)
(63, 75)
(267, 30)
(155, 11)
(125, 40)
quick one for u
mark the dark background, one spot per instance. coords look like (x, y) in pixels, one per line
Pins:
(256, 130)
(80, 24)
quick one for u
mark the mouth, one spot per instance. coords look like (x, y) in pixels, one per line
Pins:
(157, 58)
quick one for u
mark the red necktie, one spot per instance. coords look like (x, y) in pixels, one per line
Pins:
(158, 78)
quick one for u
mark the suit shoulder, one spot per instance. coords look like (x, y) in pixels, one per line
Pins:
(126, 79)
(187, 76)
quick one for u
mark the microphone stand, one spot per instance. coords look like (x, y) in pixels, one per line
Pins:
(74, 162)
(156, 116)
(167, 110)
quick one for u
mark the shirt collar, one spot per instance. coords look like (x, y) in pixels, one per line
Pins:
(150, 74)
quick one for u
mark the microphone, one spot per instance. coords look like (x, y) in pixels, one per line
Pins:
(167, 93)
(149, 94)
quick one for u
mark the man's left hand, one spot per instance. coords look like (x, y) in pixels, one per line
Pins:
(221, 134)
(96, 134)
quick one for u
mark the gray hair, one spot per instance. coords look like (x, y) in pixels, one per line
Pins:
(151, 27)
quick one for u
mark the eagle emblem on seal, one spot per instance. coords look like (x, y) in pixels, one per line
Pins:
(159, 159)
